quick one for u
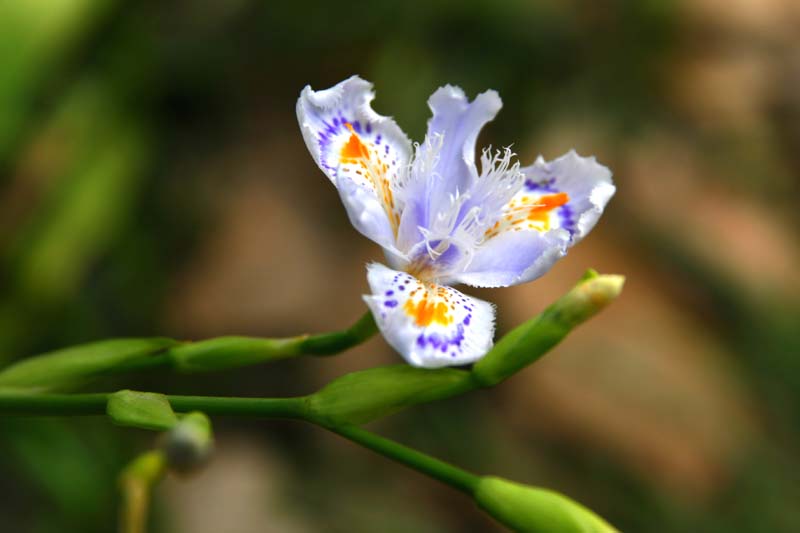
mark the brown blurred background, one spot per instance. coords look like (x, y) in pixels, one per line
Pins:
(153, 181)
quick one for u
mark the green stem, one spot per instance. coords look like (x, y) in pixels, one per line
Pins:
(338, 341)
(259, 407)
(26, 404)
(444, 472)
(22, 404)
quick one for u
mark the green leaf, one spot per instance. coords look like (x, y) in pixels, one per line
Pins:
(536, 510)
(76, 364)
(363, 396)
(146, 410)
(531, 340)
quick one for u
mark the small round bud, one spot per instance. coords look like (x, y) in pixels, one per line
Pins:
(189, 443)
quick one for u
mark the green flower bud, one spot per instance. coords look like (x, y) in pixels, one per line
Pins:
(145, 410)
(137, 481)
(363, 396)
(531, 340)
(71, 366)
(145, 468)
(536, 510)
(231, 352)
(189, 443)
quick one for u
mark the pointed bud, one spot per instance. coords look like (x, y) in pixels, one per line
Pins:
(531, 340)
(71, 366)
(189, 443)
(536, 510)
(231, 352)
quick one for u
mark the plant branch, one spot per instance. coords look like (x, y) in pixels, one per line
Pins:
(75, 365)
(25, 404)
(445, 472)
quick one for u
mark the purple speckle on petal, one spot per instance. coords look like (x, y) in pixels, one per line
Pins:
(389, 293)
(390, 303)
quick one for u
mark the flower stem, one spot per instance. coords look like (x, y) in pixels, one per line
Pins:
(25, 404)
(435, 468)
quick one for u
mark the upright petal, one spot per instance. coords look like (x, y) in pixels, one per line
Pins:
(558, 204)
(364, 154)
(444, 165)
(459, 121)
(430, 325)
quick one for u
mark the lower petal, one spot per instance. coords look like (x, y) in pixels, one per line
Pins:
(430, 325)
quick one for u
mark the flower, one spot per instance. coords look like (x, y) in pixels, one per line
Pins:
(441, 219)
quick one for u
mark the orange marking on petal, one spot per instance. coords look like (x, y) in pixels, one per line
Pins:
(354, 149)
(425, 312)
(540, 211)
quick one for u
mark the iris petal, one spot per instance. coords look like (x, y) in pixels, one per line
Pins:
(428, 324)
(361, 151)
(586, 182)
(558, 204)
(444, 164)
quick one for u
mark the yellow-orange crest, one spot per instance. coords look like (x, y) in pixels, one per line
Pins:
(353, 149)
(539, 213)
(425, 312)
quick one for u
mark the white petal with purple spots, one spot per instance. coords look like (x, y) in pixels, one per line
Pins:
(430, 325)
(587, 183)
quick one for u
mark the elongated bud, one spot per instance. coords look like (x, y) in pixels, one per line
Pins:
(529, 341)
(232, 352)
(77, 364)
(136, 482)
(146, 410)
(189, 443)
(536, 510)
(363, 396)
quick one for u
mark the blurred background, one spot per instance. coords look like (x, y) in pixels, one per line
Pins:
(153, 181)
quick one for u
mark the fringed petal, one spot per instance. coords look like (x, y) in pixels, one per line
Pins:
(362, 152)
(429, 325)
(556, 206)
(582, 181)
(444, 164)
